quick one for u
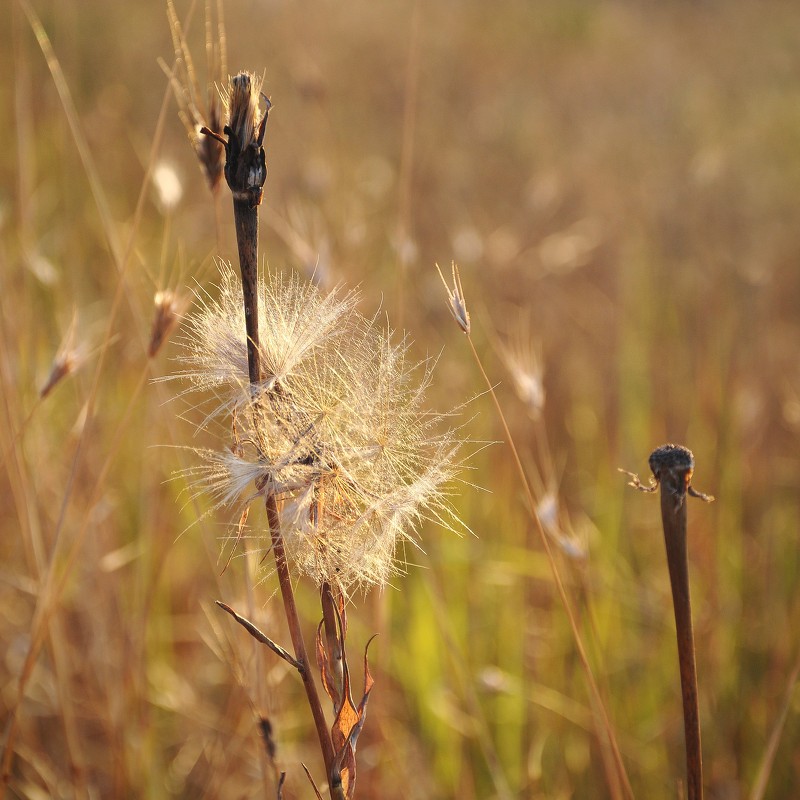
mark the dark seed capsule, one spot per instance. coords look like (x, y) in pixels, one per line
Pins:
(671, 457)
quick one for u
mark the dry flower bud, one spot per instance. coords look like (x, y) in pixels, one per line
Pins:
(210, 150)
(169, 310)
(245, 167)
(69, 358)
(185, 86)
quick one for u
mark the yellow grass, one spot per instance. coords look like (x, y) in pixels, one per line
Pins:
(623, 179)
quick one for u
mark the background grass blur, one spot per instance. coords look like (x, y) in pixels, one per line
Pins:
(623, 178)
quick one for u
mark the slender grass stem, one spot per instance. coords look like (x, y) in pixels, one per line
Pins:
(590, 679)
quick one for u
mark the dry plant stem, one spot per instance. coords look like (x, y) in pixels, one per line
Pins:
(295, 631)
(246, 220)
(48, 594)
(768, 759)
(674, 483)
(245, 172)
(593, 687)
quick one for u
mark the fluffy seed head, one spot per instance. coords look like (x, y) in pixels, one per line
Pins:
(337, 430)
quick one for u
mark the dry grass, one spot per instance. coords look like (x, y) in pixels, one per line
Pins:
(624, 178)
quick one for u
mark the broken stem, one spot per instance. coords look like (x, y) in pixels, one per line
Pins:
(672, 467)
(673, 518)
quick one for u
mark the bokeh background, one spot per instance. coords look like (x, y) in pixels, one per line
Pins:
(618, 182)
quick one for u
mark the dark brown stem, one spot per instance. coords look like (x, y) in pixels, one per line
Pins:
(672, 467)
(246, 220)
(295, 631)
(245, 173)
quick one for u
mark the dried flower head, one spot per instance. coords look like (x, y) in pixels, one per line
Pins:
(455, 299)
(69, 358)
(195, 112)
(336, 431)
(245, 162)
(169, 308)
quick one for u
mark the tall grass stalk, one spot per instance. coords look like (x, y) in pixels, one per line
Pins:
(458, 309)
(52, 584)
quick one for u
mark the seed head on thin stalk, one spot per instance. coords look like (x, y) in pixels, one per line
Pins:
(458, 308)
(342, 439)
(68, 359)
(169, 309)
(195, 110)
(456, 302)
(522, 356)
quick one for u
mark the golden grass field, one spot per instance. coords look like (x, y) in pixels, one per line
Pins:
(618, 183)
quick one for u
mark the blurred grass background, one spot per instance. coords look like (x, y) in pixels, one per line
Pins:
(618, 180)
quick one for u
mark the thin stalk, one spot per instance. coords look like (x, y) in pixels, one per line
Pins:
(296, 633)
(246, 220)
(590, 679)
(673, 471)
(246, 172)
(768, 759)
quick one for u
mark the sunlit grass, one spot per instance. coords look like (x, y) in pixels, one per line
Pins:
(624, 177)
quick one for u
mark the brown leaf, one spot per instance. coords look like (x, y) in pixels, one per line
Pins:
(347, 728)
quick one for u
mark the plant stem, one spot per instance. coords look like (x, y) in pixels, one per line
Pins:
(674, 483)
(584, 659)
(295, 631)
(245, 173)
(246, 220)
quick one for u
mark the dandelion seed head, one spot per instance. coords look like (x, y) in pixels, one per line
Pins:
(337, 431)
